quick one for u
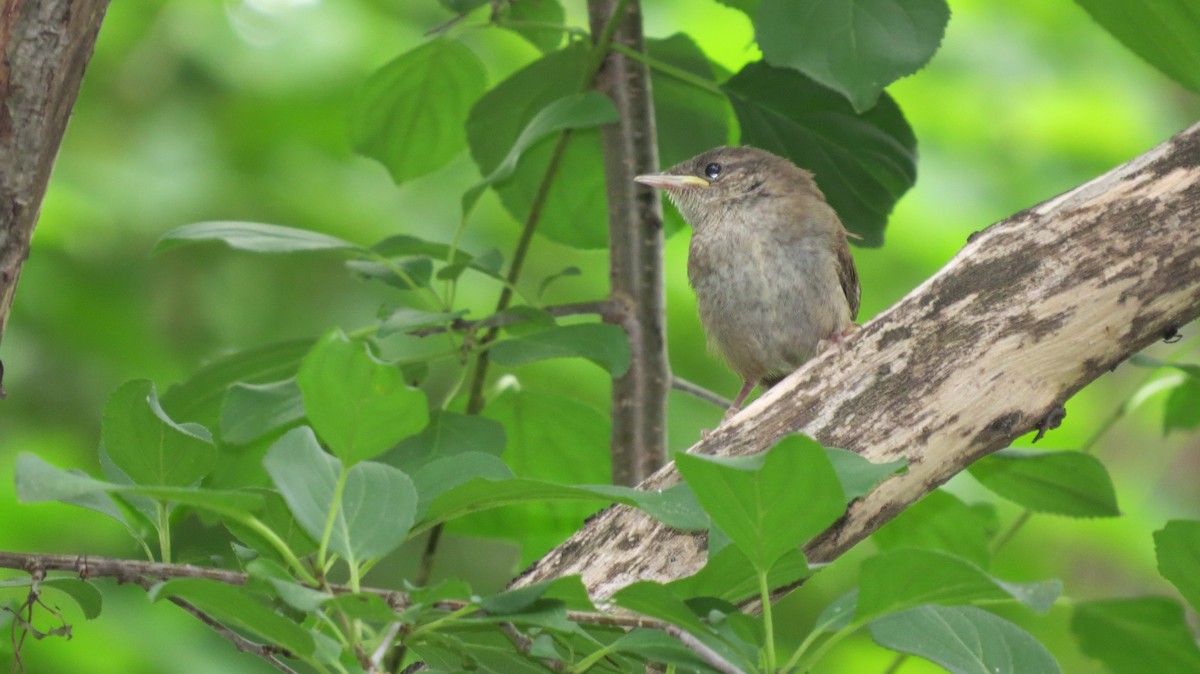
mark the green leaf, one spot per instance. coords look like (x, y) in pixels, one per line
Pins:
(729, 575)
(219, 501)
(658, 601)
(147, 445)
(377, 506)
(413, 273)
(855, 47)
(368, 607)
(540, 12)
(455, 497)
(1165, 33)
(200, 397)
(940, 521)
(549, 280)
(250, 411)
(448, 434)
(359, 406)
(863, 163)
(38, 481)
(409, 114)
(255, 237)
(909, 577)
(235, 607)
(768, 503)
(574, 111)
(488, 262)
(276, 516)
(1182, 409)
(858, 474)
(575, 207)
(553, 438)
(404, 319)
(83, 593)
(688, 119)
(1061, 483)
(1177, 547)
(657, 646)
(964, 640)
(1134, 636)
(604, 344)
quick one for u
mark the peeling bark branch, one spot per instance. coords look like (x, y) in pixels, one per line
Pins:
(639, 398)
(1030, 311)
(44, 47)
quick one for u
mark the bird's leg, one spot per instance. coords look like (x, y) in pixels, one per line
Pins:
(747, 387)
(838, 337)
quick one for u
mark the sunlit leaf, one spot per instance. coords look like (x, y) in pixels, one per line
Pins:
(409, 114)
(361, 407)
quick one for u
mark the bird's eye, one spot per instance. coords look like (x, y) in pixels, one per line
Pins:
(713, 171)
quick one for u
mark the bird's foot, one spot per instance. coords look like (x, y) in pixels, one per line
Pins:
(838, 337)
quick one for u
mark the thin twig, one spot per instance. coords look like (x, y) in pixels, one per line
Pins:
(681, 384)
(265, 651)
(524, 644)
(476, 402)
(500, 320)
(713, 658)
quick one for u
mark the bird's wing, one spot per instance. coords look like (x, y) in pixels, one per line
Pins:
(848, 276)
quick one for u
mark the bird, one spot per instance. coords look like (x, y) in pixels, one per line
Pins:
(769, 261)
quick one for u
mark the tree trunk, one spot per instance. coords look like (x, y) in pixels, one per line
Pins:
(639, 398)
(1031, 310)
(44, 47)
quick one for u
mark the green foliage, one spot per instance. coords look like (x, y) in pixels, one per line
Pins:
(964, 640)
(855, 47)
(1166, 35)
(409, 114)
(1136, 635)
(1059, 483)
(321, 467)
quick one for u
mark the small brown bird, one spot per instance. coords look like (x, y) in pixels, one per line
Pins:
(768, 260)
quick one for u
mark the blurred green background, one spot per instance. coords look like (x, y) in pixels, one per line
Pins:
(236, 110)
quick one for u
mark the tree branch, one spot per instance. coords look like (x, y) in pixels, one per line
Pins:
(44, 48)
(1030, 311)
(639, 398)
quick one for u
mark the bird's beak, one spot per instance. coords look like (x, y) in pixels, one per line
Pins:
(670, 182)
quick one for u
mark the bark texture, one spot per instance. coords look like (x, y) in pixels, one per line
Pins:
(45, 46)
(639, 398)
(1031, 310)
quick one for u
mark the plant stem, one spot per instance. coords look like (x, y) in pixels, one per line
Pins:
(164, 532)
(764, 591)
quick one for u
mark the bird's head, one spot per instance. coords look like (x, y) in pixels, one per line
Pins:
(713, 183)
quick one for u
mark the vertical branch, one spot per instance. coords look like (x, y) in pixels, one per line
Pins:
(635, 249)
(44, 47)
